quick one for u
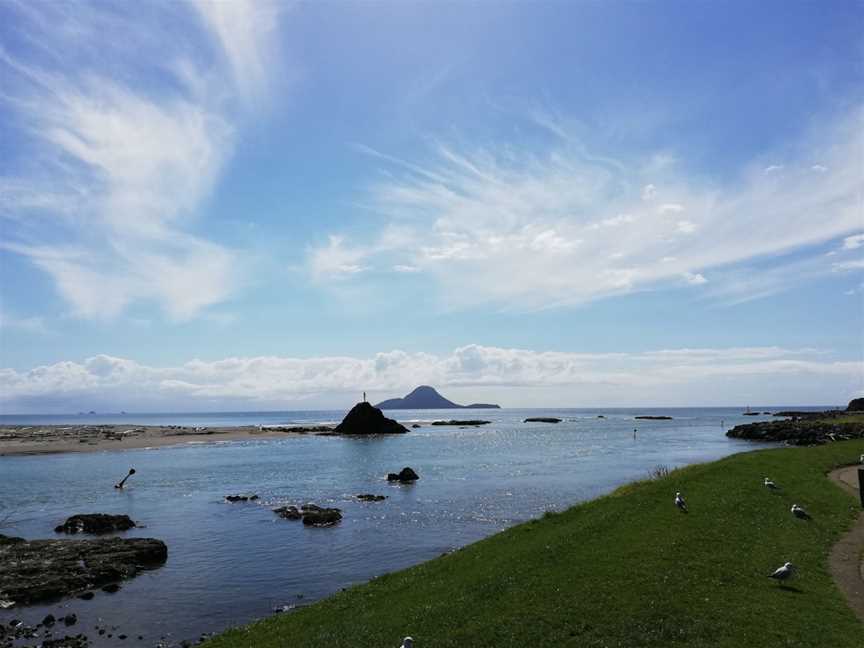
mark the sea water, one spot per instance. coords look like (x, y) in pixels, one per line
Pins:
(233, 563)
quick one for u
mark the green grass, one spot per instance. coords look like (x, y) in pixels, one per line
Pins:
(625, 570)
(846, 419)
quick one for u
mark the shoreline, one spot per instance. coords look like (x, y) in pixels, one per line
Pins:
(23, 440)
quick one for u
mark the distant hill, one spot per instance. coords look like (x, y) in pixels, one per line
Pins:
(425, 397)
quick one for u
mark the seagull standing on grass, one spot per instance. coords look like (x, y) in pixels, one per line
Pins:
(407, 642)
(783, 573)
(770, 484)
(799, 512)
(862, 458)
(680, 503)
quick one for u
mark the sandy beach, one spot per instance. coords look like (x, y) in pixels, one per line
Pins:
(47, 439)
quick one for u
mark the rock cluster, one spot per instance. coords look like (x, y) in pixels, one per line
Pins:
(800, 432)
(365, 419)
(654, 418)
(311, 514)
(95, 523)
(542, 419)
(32, 571)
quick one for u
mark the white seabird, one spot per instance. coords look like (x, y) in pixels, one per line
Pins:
(407, 642)
(770, 484)
(680, 503)
(799, 512)
(783, 573)
(862, 459)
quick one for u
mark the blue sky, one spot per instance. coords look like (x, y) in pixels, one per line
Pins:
(238, 205)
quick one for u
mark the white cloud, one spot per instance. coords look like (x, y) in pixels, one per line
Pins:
(649, 191)
(853, 242)
(405, 268)
(601, 378)
(127, 166)
(694, 279)
(773, 168)
(819, 168)
(476, 221)
(843, 266)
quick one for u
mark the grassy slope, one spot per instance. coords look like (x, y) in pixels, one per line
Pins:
(628, 569)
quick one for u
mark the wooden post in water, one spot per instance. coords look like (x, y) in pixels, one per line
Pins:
(123, 481)
(861, 485)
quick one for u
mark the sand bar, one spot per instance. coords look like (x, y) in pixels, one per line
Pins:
(48, 439)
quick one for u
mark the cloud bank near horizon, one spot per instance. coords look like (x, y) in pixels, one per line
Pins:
(513, 377)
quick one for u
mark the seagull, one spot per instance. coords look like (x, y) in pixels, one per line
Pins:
(407, 642)
(783, 573)
(862, 459)
(799, 512)
(770, 484)
(680, 503)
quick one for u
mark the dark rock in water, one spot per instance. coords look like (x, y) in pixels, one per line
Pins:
(855, 405)
(426, 397)
(32, 571)
(70, 620)
(86, 596)
(751, 413)
(461, 422)
(49, 621)
(404, 476)
(542, 419)
(798, 431)
(241, 498)
(318, 516)
(600, 416)
(311, 514)
(111, 588)
(299, 429)
(369, 497)
(416, 425)
(288, 512)
(95, 523)
(654, 418)
(365, 419)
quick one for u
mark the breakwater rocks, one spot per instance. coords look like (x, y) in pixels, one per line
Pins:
(461, 422)
(95, 523)
(33, 571)
(798, 432)
(542, 419)
(365, 419)
(240, 498)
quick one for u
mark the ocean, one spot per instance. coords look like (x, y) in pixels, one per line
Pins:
(233, 563)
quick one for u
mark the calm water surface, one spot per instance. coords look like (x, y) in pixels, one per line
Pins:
(232, 563)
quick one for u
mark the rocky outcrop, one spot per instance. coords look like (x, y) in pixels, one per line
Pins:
(404, 476)
(365, 419)
(855, 405)
(95, 523)
(311, 514)
(369, 497)
(240, 498)
(798, 432)
(653, 418)
(461, 422)
(426, 397)
(33, 571)
(542, 419)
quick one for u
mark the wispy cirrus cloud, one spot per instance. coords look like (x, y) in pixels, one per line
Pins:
(525, 228)
(666, 376)
(125, 129)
